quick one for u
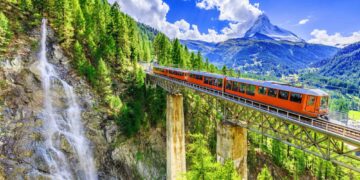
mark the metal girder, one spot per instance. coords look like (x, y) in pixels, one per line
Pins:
(317, 137)
(300, 137)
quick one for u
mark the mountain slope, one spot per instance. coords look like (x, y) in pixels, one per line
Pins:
(345, 64)
(265, 49)
(266, 56)
(263, 29)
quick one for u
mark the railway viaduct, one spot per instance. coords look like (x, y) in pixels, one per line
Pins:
(333, 142)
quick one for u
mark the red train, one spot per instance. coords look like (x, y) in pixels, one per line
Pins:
(309, 102)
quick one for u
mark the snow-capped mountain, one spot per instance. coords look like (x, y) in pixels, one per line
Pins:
(263, 29)
(265, 49)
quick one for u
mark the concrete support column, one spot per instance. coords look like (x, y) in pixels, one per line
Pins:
(175, 137)
(232, 144)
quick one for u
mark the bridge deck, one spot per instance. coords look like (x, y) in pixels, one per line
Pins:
(341, 132)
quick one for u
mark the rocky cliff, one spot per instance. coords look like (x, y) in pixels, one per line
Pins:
(21, 100)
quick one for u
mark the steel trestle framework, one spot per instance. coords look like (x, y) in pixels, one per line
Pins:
(333, 142)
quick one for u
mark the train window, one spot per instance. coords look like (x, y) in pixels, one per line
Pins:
(206, 80)
(311, 101)
(250, 90)
(294, 97)
(219, 84)
(199, 77)
(262, 90)
(242, 88)
(284, 95)
(272, 92)
(228, 85)
(236, 86)
(324, 102)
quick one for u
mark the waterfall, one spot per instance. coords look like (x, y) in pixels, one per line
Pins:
(62, 124)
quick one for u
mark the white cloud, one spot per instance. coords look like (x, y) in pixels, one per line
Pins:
(241, 13)
(303, 21)
(322, 37)
(232, 10)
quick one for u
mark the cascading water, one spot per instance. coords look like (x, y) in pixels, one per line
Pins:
(62, 122)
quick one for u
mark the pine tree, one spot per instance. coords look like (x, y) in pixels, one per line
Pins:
(207, 64)
(162, 49)
(264, 174)
(177, 59)
(202, 166)
(199, 61)
(193, 60)
(5, 32)
(79, 20)
(276, 152)
(104, 81)
(123, 36)
(26, 5)
(66, 28)
(224, 70)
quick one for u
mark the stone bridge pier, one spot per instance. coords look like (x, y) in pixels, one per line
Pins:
(232, 145)
(175, 137)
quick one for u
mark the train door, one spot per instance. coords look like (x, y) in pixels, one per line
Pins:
(310, 104)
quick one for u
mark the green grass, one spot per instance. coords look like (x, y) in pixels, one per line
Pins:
(355, 115)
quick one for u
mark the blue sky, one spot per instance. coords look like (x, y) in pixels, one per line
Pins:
(328, 22)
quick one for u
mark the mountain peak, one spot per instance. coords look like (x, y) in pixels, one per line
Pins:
(263, 29)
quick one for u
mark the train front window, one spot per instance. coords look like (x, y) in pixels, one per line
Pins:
(272, 92)
(324, 102)
(311, 101)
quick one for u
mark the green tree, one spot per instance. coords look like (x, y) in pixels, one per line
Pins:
(176, 55)
(26, 5)
(207, 64)
(5, 32)
(192, 60)
(202, 166)
(224, 70)
(162, 48)
(103, 79)
(79, 20)
(264, 174)
(276, 151)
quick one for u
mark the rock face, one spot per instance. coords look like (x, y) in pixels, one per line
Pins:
(21, 102)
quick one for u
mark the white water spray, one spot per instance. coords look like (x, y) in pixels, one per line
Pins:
(62, 123)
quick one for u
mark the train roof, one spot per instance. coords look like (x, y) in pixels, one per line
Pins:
(207, 74)
(276, 85)
(172, 69)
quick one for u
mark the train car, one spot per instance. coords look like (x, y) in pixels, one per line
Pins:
(160, 70)
(213, 81)
(177, 73)
(310, 102)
